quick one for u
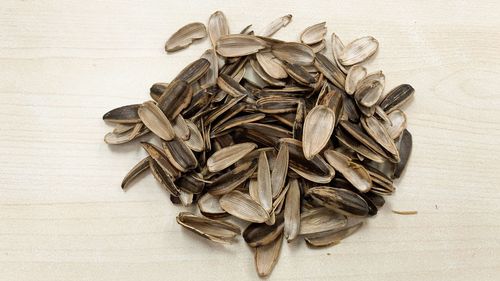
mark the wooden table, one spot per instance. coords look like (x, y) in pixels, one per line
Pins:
(63, 215)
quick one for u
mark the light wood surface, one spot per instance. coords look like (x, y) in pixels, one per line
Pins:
(63, 215)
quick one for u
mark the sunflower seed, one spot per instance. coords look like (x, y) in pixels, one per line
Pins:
(267, 256)
(217, 231)
(320, 220)
(278, 175)
(295, 53)
(271, 65)
(397, 96)
(318, 127)
(185, 36)
(292, 211)
(330, 70)
(194, 71)
(276, 25)
(217, 27)
(298, 73)
(397, 123)
(180, 155)
(138, 169)
(228, 156)
(152, 116)
(237, 45)
(163, 178)
(232, 179)
(242, 206)
(334, 237)
(405, 146)
(123, 115)
(257, 234)
(353, 172)
(355, 74)
(340, 200)
(195, 141)
(313, 34)
(210, 207)
(358, 50)
(159, 157)
(264, 183)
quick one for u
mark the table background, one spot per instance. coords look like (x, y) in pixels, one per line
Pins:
(63, 215)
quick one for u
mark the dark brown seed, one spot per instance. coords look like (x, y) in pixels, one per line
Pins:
(258, 234)
(123, 115)
(157, 90)
(230, 86)
(175, 99)
(180, 155)
(405, 146)
(194, 71)
(330, 70)
(159, 157)
(397, 96)
(163, 178)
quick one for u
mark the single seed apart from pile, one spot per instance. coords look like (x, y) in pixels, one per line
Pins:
(294, 140)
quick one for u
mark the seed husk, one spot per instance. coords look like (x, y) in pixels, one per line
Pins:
(276, 25)
(298, 73)
(262, 74)
(242, 206)
(313, 34)
(158, 155)
(295, 53)
(353, 172)
(157, 90)
(138, 169)
(238, 121)
(279, 173)
(320, 220)
(271, 65)
(277, 104)
(292, 211)
(232, 179)
(264, 183)
(358, 50)
(163, 178)
(217, 26)
(123, 115)
(331, 71)
(396, 123)
(337, 49)
(267, 256)
(210, 207)
(124, 137)
(334, 237)
(237, 45)
(355, 74)
(195, 141)
(190, 183)
(185, 36)
(318, 127)
(405, 146)
(180, 155)
(230, 86)
(378, 132)
(342, 201)
(228, 156)
(217, 231)
(194, 71)
(397, 97)
(257, 234)
(154, 119)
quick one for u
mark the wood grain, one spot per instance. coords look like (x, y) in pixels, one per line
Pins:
(63, 215)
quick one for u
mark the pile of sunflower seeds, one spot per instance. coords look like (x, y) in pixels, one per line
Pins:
(291, 138)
